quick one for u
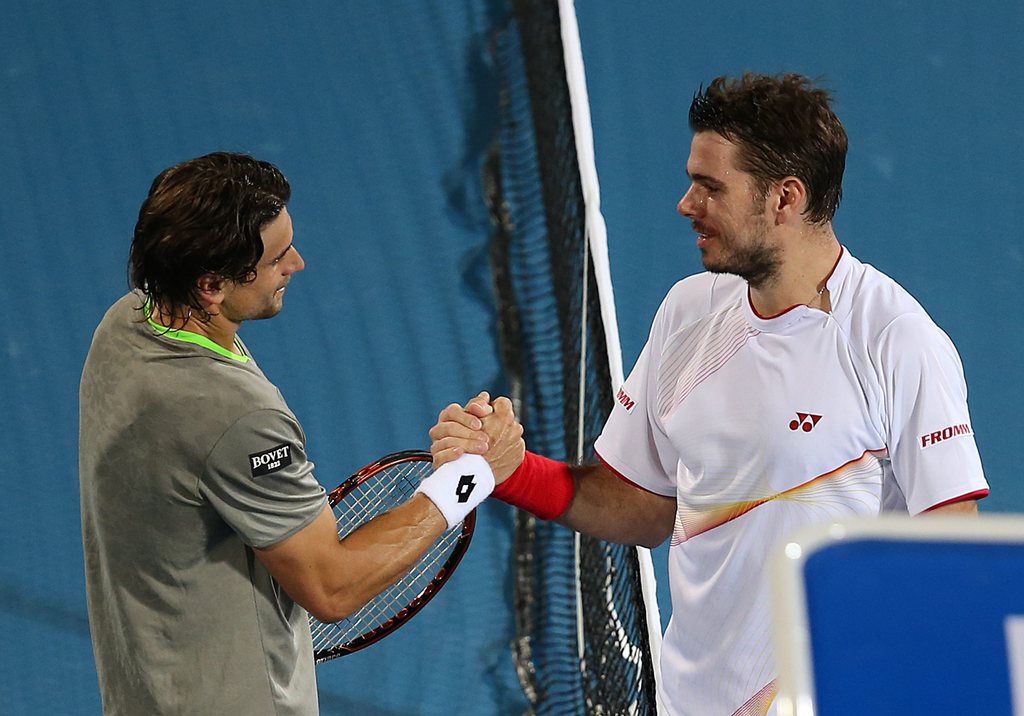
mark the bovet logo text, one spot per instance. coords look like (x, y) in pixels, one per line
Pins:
(272, 460)
(929, 439)
(626, 402)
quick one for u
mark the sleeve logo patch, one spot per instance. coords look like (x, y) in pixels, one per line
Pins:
(952, 431)
(272, 460)
(625, 401)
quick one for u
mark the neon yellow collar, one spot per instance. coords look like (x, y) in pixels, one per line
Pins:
(180, 334)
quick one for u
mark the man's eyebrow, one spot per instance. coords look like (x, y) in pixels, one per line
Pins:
(705, 180)
(286, 250)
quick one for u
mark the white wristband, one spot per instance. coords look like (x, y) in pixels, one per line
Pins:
(458, 486)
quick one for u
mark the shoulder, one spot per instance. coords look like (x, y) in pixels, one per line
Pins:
(876, 304)
(218, 389)
(698, 296)
(122, 313)
(241, 388)
(886, 319)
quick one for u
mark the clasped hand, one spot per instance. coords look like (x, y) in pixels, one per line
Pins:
(481, 427)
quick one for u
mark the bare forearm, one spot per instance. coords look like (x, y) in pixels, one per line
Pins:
(378, 554)
(332, 578)
(607, 507)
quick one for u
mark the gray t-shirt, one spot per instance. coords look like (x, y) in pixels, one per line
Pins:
(189, 457)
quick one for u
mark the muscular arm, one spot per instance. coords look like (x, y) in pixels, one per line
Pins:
(332, 578)
(610, 508)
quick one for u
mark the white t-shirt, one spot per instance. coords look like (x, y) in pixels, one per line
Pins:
(759, 426)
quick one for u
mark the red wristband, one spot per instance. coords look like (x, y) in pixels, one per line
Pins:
(541, 486)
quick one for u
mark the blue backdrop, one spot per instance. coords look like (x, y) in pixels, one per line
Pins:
(380, 113)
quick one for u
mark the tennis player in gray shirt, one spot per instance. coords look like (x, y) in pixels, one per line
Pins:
(207, 538)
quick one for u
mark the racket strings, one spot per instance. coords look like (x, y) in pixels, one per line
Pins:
(384, 606)
(385, 491)
(381, 492)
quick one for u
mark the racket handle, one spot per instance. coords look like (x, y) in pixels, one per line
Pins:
(457, 487)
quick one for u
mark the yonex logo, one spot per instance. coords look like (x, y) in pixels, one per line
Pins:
(272, 460)
(805, 422)
(465, 488)
(626, 402)
(929, 439)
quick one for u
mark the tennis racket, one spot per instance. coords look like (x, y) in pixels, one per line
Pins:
(377, 488)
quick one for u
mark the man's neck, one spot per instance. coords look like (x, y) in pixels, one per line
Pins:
(807, 261)
(218, 329)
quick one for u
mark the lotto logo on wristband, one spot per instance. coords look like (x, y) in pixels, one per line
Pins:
(457, 487)
(465, 488)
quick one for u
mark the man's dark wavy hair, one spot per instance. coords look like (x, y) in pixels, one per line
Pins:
(783, 126)
(204, 216)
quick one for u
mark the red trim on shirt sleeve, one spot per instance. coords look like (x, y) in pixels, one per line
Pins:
(976, 495)
(626, 479)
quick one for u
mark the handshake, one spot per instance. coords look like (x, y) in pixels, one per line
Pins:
(483, 428)
(489, 429)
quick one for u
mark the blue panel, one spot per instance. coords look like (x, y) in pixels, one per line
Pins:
(912, 627)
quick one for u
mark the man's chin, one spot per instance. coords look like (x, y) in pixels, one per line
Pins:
(713, 266)
(268, 312)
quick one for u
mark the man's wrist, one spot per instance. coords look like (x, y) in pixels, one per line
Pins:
(541, 486)
(457, 487)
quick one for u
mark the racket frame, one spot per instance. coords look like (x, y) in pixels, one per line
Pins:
(446, 570)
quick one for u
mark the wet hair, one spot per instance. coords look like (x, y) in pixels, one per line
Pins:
(204, 216)
(783, 126)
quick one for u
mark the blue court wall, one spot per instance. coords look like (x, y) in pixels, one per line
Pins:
(379, 113)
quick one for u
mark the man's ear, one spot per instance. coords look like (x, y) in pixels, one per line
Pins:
(212, 288)
(791, 200)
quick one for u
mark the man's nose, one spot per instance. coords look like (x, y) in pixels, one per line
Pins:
(689, 204)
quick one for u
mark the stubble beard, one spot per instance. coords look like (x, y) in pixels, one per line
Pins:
(756, 261)
(268, 310)
(271, 309)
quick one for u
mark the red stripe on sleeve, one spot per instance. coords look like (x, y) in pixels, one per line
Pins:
(626, 479)
(976, 495)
